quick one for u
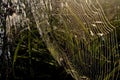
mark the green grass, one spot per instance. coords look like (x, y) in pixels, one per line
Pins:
(56, 43)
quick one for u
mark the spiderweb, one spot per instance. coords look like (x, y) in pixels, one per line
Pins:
(79, 36)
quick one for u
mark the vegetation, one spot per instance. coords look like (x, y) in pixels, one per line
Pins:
(50, 43)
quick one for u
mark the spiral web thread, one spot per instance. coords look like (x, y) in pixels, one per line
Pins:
(79, 36)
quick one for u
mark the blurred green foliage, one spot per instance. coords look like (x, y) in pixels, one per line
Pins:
(34, 61)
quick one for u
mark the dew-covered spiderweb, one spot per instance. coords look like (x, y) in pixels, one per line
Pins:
(79, 36)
